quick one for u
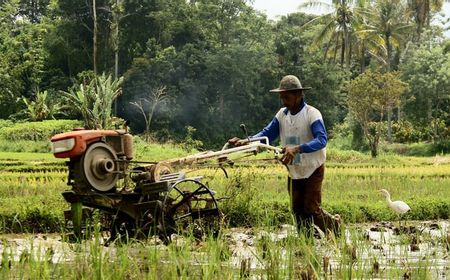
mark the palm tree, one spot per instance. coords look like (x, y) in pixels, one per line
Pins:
(338, 27)
(422, 12)
(389, 27)
(363, 43)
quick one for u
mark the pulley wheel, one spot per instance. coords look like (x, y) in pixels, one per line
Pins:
(99, 167)
(159, 170)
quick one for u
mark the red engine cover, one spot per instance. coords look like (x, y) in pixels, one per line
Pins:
(82, 139)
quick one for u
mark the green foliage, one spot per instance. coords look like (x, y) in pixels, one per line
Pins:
(442, 147)
(370, 96)
(326, 81)
(294, 57)
(247, 206)
(217, 60)
(427, 71)
(348, 135)
(405, 132)
(388, 25)
(337, 29)
(22, 63)
(94, 100)
(6, 123)
(42, 108)
(342, 156)
(435, 132)
(37, 131)
(32, 220)
(222, 84)
(189, 142)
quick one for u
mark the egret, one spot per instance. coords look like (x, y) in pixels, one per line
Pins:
(399, 207)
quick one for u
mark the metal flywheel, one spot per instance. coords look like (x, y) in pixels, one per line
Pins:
(98, 167)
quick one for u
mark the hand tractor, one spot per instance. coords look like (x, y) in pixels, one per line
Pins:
(136, 199)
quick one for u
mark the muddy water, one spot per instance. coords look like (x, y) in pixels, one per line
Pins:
(418, 244)
(377, 247)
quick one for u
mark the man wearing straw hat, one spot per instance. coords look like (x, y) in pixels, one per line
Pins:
(303, 138)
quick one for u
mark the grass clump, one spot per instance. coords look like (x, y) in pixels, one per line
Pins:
(37, 131)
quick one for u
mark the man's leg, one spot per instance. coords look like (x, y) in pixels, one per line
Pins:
(296, 190)
(312, 203)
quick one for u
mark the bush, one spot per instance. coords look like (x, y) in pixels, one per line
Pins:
(37, 131)
(442, 147)
(189, 142)
(6, 123)
(345, 156)
(405, 132)
(421, 149)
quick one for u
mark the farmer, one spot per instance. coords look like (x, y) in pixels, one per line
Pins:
(303, 138)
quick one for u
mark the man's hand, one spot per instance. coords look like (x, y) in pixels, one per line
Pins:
(235, 141)
(289, 153)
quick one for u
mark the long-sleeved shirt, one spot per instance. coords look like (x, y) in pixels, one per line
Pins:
(320, 138)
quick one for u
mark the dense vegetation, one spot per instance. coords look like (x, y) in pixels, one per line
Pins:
(205, 66)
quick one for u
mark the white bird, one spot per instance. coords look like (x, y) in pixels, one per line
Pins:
(398, 206)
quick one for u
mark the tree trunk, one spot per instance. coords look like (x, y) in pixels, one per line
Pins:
(116, 75)
(373, 139)
(150, 115)
(388, 66)
(389, 122)
(94, 37)
(116, 64)
(374, 145)
(373, 151)
(221, 108)
(347, 48)
(429, 111)
(342, 51)
(362, 59)
(389, 53)
(116, 59)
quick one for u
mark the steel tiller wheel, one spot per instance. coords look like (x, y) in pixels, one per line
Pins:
(190, 208)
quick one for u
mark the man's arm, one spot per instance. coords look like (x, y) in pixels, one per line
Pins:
(320, 138)
(271, 131)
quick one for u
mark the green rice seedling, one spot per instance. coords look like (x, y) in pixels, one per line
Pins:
(215, 252)
(6, 261)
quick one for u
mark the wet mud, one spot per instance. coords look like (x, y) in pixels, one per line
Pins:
(376, 247)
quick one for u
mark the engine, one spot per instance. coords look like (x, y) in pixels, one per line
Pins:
(98, 158)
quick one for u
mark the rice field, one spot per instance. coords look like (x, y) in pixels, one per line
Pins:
(258, 240)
